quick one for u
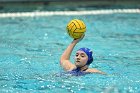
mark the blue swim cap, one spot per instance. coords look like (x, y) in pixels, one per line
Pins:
(89, 54)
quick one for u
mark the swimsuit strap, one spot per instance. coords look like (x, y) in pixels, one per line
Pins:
(79, 69)
(85, 69)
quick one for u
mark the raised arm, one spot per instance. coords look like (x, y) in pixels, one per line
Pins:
(65, 57)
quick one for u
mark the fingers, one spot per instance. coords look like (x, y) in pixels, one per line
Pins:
(83, 36)
(79, 39)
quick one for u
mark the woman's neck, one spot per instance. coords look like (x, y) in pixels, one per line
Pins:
(84, 68)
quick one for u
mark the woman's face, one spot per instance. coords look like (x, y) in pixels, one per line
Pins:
(81, 58)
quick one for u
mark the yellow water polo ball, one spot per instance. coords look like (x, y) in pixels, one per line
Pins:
(76, 28)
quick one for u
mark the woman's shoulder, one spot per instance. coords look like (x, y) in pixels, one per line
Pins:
(67, 65)
(93, 70)
(73, 67)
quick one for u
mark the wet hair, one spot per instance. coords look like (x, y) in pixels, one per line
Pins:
(89, 54)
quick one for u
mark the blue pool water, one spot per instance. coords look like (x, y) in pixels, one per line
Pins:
(30, 48)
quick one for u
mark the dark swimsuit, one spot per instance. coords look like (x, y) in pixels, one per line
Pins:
(74, 72)
(77, 72)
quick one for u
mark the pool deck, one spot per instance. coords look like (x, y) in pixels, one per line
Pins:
(32, 5)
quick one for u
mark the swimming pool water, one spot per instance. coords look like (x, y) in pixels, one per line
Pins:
(30, 48)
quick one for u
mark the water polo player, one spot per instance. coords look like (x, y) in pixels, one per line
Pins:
(83, 59)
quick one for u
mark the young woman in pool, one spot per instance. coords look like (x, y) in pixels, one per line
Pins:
(83, 59)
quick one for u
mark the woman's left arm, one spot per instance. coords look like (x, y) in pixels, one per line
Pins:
(93, 70)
